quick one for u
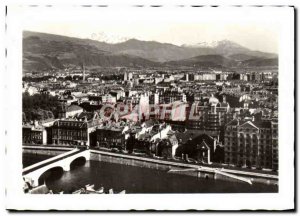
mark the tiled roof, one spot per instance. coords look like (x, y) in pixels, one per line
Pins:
(258, 124)
(233, 122)
(185, 136)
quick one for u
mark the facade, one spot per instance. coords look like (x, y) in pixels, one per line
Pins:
(34, 135)
(151, 138)
(128, 76)
(212, 115)
(252, 144)
(143, 105)
(110, 138)
(175, 111)
(154, 98)
(205, 76)
(203, 152)
(171, 96)
(108, 98)
(198, 146)
(73, 132)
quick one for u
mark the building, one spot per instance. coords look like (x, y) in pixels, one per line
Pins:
(70, 111)
(149, 138)
(34, 134)
(231, 89)
(143, 106)
(175, 111)
(108, 98)
(48, 124)
(75, 131)
(128, 76)
(67, 99)
(198, 146)
(154, 98)
(125, 76)
(117, 93)
(171, 96)
(251, 143)
(205, 76)
(211, 115)
(158, 80)
(110, 137)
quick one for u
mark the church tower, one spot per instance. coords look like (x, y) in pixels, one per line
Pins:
(83, 72)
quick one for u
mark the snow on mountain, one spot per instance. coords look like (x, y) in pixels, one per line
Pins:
(108, 38)
(213, 44)
(202, 44)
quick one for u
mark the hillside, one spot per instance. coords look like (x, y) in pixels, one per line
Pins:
(218, 61)
(260, 62)
(48, 52)
(43, 51)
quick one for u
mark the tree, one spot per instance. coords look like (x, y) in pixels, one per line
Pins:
(40, 107)
(50, 115)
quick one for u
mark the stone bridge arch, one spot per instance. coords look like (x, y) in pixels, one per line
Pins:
(33, 177)
(52, 169)
(78, 158)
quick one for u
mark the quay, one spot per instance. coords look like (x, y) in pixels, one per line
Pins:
(199, 171)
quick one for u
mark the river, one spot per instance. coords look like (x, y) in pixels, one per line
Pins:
(136, 179)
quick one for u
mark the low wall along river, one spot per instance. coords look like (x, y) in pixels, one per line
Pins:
(131, 160)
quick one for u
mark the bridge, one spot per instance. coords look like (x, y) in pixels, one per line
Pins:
(33, 173)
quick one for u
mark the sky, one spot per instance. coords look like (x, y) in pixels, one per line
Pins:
(253, 27)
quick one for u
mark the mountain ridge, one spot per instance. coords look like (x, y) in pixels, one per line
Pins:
(50, 50)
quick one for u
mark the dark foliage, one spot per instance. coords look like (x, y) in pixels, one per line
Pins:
(39, 107)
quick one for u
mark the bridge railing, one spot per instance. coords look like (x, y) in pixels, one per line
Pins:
(49, 160)
(57, 159)
(52, 147)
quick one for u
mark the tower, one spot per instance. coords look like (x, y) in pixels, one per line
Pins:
(83, 72)
(125, 76)
(186, 77)
(130, 76)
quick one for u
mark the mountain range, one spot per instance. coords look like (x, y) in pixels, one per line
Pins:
(42, 51)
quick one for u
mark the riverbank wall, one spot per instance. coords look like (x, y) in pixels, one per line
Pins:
(163, 165)
(44, 150)
(180, 168)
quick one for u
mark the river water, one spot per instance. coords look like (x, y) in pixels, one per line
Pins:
(136, 179)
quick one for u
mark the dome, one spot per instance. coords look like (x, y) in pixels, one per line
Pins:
(213, 100)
